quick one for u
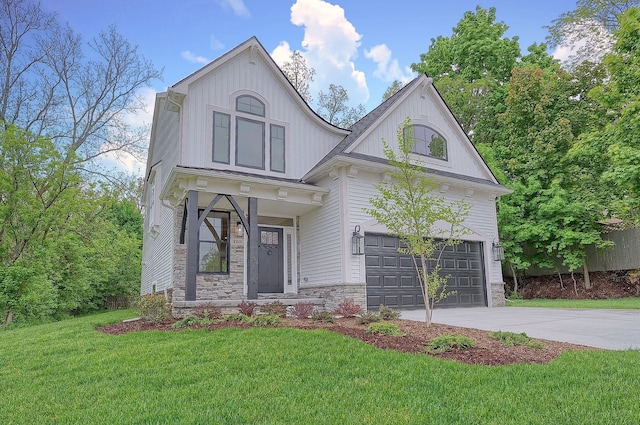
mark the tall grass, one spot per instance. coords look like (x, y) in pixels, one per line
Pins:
(68, 373)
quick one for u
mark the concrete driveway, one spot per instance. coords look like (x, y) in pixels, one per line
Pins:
(610, 329)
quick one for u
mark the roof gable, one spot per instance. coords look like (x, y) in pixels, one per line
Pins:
(420, 101)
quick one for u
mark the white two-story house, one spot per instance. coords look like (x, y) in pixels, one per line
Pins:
(250, 195)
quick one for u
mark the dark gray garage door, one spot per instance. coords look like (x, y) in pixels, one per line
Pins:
(392, 279)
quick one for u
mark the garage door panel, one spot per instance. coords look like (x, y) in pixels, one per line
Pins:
(406, 262)
(448, 264)
(407, 281)
(463, 282)
(372, 260)
(374, 280)
(389, 261)
(392, 280)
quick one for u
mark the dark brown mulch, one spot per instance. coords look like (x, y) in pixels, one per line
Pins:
(604, 285)
(486, 352)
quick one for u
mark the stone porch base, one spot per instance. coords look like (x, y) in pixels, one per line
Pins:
(182, 308)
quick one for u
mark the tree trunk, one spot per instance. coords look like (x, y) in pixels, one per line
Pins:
(561, 282)
(8, 319)
(515, 279)
(587, 281)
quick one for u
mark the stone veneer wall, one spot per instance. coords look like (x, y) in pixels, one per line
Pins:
(497, 294)
(210, 286)
(335, 294)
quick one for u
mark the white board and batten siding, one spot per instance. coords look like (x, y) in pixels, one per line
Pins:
(429, 111)
(166, 143)
(306, 139)
(320, 241)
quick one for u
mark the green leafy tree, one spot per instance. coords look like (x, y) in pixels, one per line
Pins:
(64, 246)
(620, 95)
(593, 21)
(299, 74)
(392, 89)
(411, 208)
(552, 216)
(470, 69)
(333, 106)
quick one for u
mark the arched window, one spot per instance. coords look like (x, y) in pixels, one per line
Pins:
(429, 142)
(250, 105)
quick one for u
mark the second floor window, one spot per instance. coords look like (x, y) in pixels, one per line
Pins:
(258, 143)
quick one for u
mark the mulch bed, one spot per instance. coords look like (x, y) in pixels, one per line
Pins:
(487, 351)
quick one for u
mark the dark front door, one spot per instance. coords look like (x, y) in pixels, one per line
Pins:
(270, 260)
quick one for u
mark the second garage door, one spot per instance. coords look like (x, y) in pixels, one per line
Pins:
(392, 279)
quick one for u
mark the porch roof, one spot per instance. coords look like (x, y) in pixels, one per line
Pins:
(277, 195)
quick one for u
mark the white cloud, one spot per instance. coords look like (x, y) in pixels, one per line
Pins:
(214, 43)
(237, 6)
(191, 57)
(330, 45)
(282, 53)
(387, 69)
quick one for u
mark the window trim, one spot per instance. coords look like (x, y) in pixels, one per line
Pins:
(227, 242)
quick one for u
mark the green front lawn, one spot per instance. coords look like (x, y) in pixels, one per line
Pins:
(68, 373)
(631, 303)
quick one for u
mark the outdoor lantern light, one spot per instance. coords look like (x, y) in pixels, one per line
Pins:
(497, 251)
(357, 242)
(239, 229)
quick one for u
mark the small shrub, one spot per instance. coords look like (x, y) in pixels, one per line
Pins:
(153, 308)
(368, 317)
(387, 313)
(192, 321)
(347, 309)
(247, 308)
(302, 310)
(275, 308)
(322, 316)
(448, 342)
(512, 338)
(266, 320)
(209, 311)
(385, 328)
(236, 317)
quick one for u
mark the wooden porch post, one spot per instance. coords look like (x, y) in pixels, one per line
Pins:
(192, 246)
(252, 251)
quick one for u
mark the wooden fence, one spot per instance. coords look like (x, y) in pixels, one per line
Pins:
(624, 255)
(118, 302)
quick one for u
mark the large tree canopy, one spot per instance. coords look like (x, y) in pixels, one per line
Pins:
(53, 85)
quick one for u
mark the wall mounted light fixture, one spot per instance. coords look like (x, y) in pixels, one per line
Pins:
(357, 242)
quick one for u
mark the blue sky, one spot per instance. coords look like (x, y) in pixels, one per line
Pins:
(362, 45)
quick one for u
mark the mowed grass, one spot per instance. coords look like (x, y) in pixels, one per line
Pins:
(630, 303)
(68, 373)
